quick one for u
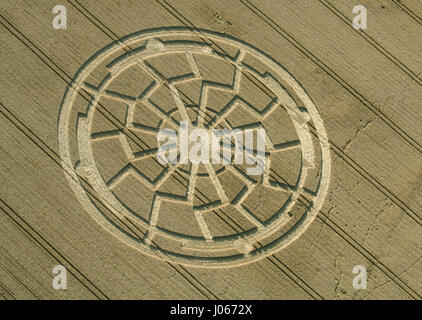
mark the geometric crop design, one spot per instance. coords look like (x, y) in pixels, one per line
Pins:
(199, 215)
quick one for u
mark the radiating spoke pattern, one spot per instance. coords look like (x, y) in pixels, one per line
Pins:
(205, 194)
(217, 121)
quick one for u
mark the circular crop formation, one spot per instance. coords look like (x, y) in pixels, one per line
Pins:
(201, 214)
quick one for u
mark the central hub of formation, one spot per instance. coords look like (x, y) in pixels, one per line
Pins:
(194, 147)
(202, 145)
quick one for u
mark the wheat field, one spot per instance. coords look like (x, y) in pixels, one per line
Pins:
(81, 108)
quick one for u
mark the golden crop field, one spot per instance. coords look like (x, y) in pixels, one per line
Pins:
(308, 185)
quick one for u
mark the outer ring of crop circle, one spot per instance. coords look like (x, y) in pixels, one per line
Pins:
(80, 192)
